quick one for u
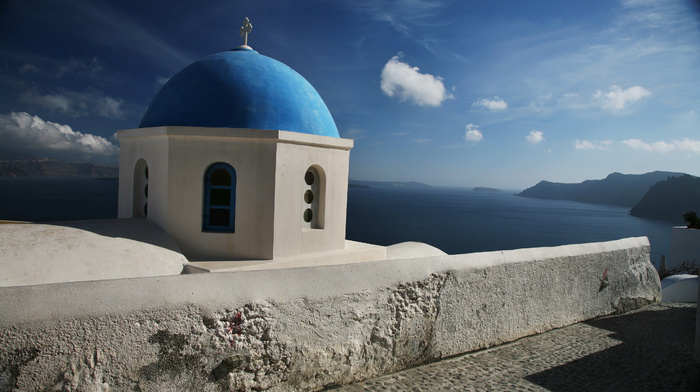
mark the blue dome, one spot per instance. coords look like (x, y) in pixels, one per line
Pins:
(240, 89)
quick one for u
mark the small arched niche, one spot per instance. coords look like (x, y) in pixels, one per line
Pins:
(140, 195)
(313, 198)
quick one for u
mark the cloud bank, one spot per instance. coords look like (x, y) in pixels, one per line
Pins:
(492, 104)
(27, 133)
(685, 144)
(473, 134)
(75, 104)
(592, 145)
(408, 84)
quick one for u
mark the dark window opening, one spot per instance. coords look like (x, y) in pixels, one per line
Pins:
(219, 198)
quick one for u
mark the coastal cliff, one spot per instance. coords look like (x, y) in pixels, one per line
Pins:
(617, 189)
(670, 199)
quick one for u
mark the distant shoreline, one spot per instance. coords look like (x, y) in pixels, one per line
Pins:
(53, 167)
(485, 189)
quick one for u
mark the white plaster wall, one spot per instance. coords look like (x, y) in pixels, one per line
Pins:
(293, 160)
(153, 148)
(254, 162)
(685, 246)
(303, 329)
(175, 203)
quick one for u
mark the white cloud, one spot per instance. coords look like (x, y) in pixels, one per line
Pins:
(420, 141)
(539, 103)
(473, 134)
(401, 80)
(617, 98)
(584, 145)
(110, 107)
(594, 145)
(492, 104)
(571, 100)
(24, 132)
(687, 145)
(665, 147)
(74, 103)
(535, 136)
(52, 102)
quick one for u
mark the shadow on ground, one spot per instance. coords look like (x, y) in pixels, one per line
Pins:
(655, 354)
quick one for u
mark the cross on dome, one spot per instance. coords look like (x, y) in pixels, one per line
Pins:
(245, 30)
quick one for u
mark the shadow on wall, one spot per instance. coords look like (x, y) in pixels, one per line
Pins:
(660, 343)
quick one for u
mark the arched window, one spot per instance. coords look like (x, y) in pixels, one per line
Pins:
(219, 198)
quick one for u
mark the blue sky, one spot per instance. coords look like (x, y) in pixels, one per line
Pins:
(457, 93)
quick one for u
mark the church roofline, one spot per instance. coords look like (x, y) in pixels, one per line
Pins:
(240, 133)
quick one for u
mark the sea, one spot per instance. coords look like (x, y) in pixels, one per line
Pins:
(456, 220)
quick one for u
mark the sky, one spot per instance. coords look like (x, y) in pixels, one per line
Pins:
(449, 93)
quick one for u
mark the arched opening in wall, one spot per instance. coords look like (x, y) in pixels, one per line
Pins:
(140, 196)
(313, 198)
(219, 209)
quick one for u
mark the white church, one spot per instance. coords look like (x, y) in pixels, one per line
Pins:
(237, 164)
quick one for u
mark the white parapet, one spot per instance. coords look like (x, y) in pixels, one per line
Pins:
(59, 252)
(302, 329)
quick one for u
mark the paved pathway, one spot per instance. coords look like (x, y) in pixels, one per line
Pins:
(647, 350)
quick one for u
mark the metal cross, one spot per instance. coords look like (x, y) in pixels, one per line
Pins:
(245, 29)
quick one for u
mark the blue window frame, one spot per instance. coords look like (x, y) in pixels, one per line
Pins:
(219, 198)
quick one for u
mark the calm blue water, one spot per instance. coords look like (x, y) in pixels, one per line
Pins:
(452, 219)
(43, 199)
(462, 221)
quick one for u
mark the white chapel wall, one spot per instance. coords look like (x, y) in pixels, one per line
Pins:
(270, 167)
(293, 160)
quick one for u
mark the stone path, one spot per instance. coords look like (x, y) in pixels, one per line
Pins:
(647, 350)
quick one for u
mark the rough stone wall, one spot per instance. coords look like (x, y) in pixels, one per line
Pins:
(309, 328)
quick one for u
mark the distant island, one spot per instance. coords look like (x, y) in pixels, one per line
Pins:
(617, 189)
(485, 189)
(670, 199)
(655, 195)
(55, 167)
(386, 184)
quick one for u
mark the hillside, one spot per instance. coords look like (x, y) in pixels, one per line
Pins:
(617, 189)
(670, 199)
(54, 167)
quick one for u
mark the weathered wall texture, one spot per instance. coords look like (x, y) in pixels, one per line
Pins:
(306, 328)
